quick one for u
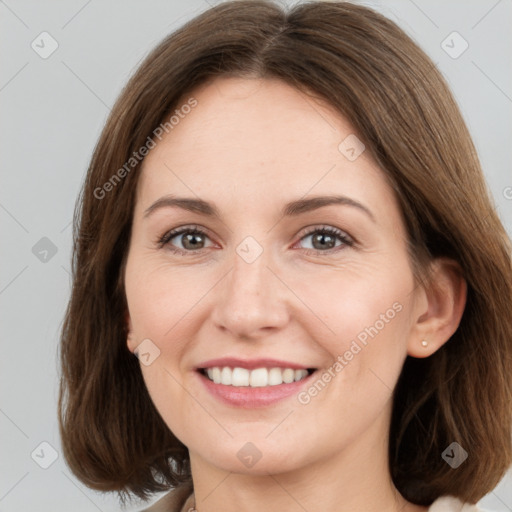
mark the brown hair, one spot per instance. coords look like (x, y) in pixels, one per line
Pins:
(365, 67)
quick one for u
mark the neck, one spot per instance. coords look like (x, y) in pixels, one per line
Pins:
(354, 478)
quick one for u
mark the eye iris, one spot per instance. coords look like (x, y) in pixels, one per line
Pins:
(191, 238)
(324, 240)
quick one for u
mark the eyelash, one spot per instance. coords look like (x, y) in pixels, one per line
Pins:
(165, 239)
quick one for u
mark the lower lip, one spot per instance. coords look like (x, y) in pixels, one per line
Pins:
(247, 397)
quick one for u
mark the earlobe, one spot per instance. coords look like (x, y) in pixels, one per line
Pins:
(441, 312)
(129, 336)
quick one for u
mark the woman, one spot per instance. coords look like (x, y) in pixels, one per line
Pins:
(291, 290)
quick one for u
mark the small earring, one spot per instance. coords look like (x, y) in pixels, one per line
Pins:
(424, 343)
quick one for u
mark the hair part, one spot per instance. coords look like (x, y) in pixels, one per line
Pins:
(372, 73)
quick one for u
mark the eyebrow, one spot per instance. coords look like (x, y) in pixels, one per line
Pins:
(292, 208)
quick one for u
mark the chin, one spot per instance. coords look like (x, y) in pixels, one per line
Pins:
(257, 458)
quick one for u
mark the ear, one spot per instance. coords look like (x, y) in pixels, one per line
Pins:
(130, 340)
(439, 308)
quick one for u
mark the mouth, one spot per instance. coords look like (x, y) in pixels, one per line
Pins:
(239, 377)
(253, 383)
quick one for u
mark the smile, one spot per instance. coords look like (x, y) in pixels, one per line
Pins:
(256, 378)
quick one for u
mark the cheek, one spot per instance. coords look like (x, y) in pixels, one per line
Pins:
(342, 304)
(164, 385)
(162, 299)
(362, 322)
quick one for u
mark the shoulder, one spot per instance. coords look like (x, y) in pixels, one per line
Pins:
(452, 504)
(176, 500)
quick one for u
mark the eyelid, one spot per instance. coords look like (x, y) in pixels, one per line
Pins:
(324, 227)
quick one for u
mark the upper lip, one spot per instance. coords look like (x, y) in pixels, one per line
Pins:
(251, 364)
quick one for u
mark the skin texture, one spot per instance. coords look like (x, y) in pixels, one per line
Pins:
(249, 147)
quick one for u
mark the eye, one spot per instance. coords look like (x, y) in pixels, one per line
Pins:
(326, 239)
(191, 238)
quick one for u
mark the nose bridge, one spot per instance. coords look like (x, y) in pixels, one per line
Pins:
(252, 298)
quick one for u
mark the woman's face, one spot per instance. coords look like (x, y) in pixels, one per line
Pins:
(275, 279)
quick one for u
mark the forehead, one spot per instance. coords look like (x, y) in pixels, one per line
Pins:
(248, 140)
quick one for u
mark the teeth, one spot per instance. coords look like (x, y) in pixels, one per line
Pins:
(275, 377)
(257, 378)
(288, 375)
(225, 376)
(239, 377)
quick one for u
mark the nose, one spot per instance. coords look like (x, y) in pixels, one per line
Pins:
(252, 301)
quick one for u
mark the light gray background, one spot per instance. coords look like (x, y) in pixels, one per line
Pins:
(52, 113)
